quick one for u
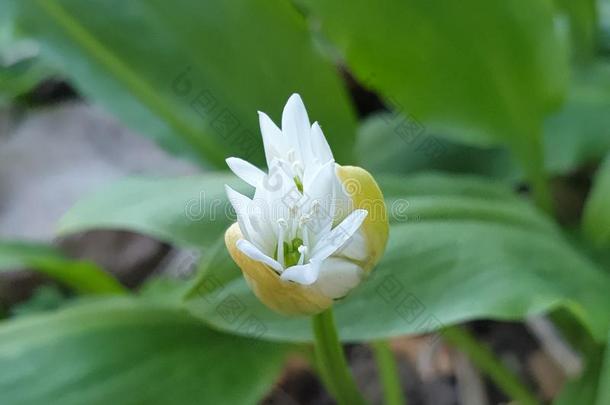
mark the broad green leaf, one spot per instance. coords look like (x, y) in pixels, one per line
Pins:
(190, 211)
(82, 276)
(596, 217)
(216, 270)
(382, 148)
(164, 288)
(214, 264)
(579, 133)
(576, 135)
(130, 352)
(436, 184)
(436, 197)
(486, 69)
(192, 74)
(445, 265)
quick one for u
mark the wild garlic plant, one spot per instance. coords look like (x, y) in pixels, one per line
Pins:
(304, 239)
(466, 113)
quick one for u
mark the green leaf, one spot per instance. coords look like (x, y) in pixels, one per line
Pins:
(447, 263)
(596, 217)
(577, 134)
(382, 148)
(212, 66)
(216, 270)
(436, 184)
(190, 211)
(84, 277)
(128, 351)
(580, 132)
(487, 70)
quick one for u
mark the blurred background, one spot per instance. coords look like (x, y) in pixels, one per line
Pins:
(95, 91)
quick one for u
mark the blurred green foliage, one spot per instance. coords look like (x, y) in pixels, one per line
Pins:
(505, 93)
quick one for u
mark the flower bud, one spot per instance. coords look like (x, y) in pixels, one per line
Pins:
(314, 229)
(291, 298)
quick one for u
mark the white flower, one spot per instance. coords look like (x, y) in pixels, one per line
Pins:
(301, 224)
(299, 149)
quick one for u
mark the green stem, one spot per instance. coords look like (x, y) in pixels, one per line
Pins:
(331, 360)
(487, 362)
(388, 373)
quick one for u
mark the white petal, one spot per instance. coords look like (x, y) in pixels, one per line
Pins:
(310, 170)
(337, 277)
(275, 194)
(296, 127)
(319, 198)
(343, 202)
(319, 145)
(320, 181)
(355, 248)
(284, 166)
(305, 274)
(339, 235)
(246, 171)
(255, 254)
(241, 205)
(280, 180)
(273, 140)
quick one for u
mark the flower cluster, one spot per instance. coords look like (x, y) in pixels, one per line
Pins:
(303, 239)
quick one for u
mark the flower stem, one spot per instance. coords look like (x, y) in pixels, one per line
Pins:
(388, 373)
(331, 360)
(484, 358)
